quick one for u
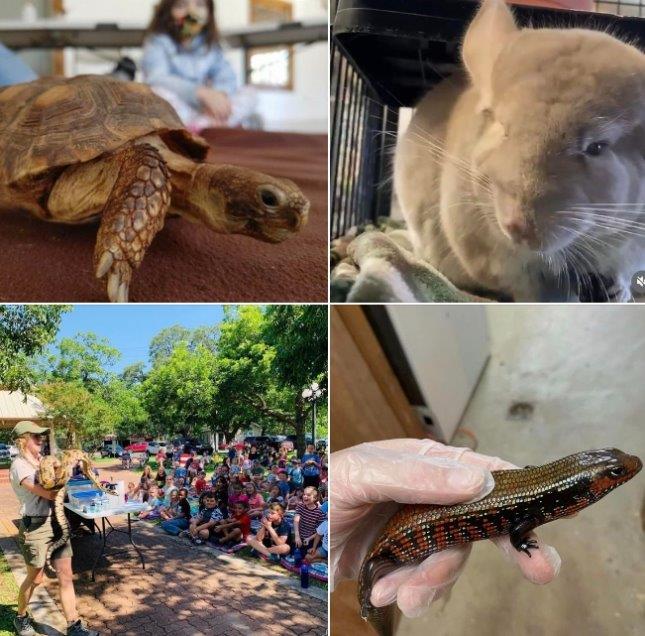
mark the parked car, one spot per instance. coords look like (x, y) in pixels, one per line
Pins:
(137, 447)
(4, 452)
(112, 450)
(155, 446)
(257, 440)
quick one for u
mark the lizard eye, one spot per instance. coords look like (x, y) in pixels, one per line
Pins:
(617, 472)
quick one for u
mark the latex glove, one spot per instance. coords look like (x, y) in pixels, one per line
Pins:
(369, 480)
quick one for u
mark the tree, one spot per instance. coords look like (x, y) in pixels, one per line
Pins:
(163, 344)
(84, 359)
(25, 331)
(178, 393)
(75, 411)
(264, 361)
(299, 335)
(133, 374)
(130, 415)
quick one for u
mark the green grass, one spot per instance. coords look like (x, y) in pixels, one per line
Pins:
(8, 597)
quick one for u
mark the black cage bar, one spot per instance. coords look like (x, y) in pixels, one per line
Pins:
(386, 54)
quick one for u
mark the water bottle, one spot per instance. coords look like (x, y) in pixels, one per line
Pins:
(304, 575)
(297, 556)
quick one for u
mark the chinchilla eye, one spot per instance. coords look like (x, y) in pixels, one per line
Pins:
(596, 148)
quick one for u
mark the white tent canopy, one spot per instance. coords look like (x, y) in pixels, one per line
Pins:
(14, 408)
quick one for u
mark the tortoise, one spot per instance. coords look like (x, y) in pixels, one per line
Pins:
(91, 147)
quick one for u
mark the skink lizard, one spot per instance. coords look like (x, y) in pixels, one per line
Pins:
(521, 500)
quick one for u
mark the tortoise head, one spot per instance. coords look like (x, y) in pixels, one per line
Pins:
(240, 201)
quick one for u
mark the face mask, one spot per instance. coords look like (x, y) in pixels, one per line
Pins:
(193, 24)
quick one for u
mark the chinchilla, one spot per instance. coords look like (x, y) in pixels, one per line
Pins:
(525, 174)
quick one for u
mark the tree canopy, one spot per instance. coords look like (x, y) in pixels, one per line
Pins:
(25, 331)
(249, 369)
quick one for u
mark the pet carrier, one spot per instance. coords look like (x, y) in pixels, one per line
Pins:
(385, 54)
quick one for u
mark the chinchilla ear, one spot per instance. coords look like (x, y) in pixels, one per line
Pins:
(486, 36)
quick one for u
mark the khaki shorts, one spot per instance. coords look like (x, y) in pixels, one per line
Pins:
(35, 536)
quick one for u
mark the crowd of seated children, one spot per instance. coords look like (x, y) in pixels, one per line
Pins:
(256, 497)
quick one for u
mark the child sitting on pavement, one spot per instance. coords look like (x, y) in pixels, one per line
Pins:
(235, 529)
(203, 524)
(272, 539)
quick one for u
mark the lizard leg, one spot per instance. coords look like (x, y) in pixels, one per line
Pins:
(134, 213)
(519, 536)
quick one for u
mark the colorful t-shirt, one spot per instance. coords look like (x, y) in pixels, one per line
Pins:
(309, 520)
(244, 522)
(284, 488)
(310, 470)
(256, 501)
(233, 499)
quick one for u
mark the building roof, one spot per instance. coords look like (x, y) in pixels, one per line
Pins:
(14, 408)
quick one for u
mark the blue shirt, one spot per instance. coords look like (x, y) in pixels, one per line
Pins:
(182, 69)
(311, 470)
(284, 488)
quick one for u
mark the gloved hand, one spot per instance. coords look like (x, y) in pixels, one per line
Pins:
(370, 480)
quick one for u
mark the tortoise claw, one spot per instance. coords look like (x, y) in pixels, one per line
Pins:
(104, 264)
(113, 287)
(123, 293)
(118, 284)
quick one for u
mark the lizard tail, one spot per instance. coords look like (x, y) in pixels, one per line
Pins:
(380, 618)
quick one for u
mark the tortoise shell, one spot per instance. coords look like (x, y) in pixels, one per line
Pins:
(56, 122)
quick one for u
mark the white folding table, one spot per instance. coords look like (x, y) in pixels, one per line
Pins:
(126, 509)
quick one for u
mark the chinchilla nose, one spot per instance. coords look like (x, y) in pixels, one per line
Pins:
(520, 230)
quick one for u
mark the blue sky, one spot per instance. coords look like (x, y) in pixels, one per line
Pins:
(130, 328)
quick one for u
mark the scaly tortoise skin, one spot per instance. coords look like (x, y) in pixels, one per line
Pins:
(92, 147)
(54, 472)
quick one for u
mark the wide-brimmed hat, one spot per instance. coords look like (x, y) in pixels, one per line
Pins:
(28, 427)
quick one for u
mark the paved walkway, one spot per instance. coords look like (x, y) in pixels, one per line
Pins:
(184, 589)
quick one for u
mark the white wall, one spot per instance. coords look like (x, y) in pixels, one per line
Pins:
(303, 109)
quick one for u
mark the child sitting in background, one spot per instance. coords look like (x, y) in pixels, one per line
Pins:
(255, 500)
(133, 492)
(184, 63)
(294, 499)
(200, 483)
(275, 496)
(237, 495)
(156, 503)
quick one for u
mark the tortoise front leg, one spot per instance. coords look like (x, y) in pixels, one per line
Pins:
(135, 211)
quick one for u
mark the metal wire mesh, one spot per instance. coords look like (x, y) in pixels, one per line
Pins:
(362, 129)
